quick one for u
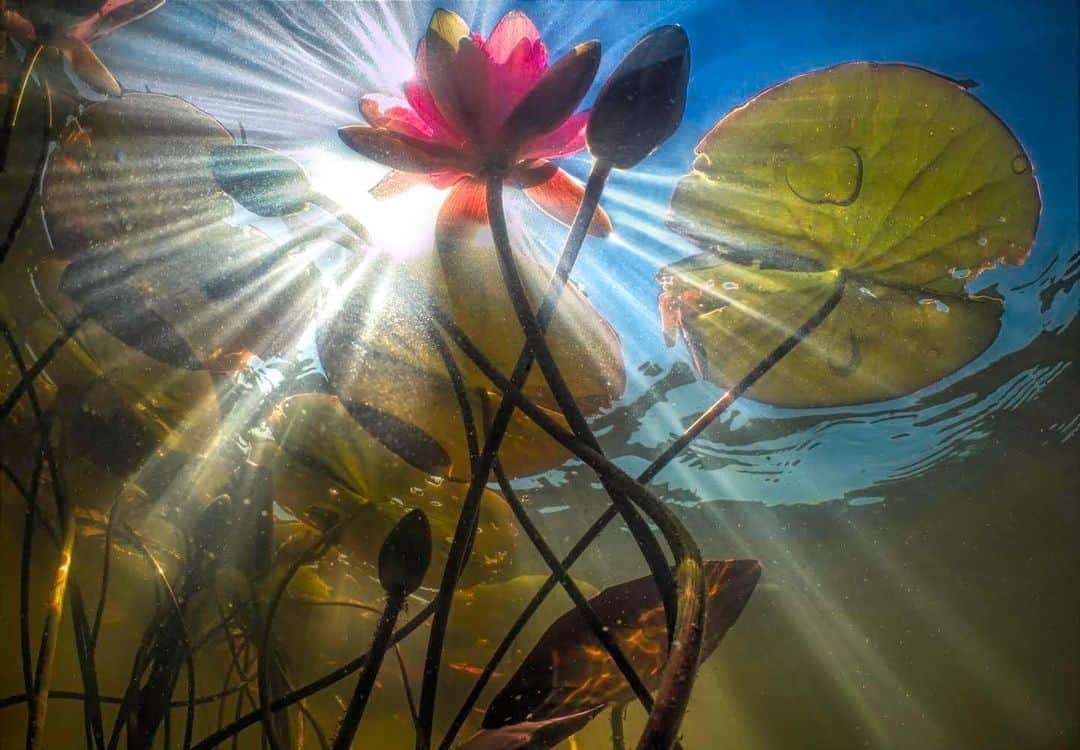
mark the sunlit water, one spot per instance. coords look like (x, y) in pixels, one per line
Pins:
(922, 573)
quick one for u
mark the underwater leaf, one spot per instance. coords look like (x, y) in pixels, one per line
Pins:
(888, 179)
(122, 310)
(568, 671)
(135, 167)
(329, 469)
(262, 181)
(484, 612)
(377, 350)
(408, 441)
(531, 735)
(405, 554)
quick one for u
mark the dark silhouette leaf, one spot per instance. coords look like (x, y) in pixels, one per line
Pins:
(262, 181)
(530, 735)
(106, 297)
(568, 672)
(407, 440)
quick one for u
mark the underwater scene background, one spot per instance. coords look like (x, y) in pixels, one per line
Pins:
(920, 582)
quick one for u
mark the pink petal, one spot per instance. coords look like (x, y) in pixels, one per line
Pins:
(560, 197)
(394, 114)
(567, 139)
(111, 16)
(514, 28)
(443, 180)
(423, 103)
(398, 150)
(464, 211)
(395, 182)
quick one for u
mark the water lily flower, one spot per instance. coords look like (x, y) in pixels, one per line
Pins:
(482, 107)
(62, 29)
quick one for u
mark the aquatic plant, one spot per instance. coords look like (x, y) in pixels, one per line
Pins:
(478, 108)
(235, 503)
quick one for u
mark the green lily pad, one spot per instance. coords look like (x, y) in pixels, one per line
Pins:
(888, 180)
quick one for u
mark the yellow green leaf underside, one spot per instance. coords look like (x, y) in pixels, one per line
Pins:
(889, 176)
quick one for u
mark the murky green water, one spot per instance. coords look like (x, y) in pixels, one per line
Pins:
(908, 482)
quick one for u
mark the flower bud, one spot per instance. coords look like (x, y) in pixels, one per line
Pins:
(405, 554)
(642, 103)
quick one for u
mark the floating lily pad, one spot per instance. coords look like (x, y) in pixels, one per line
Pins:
(329, 466)
(889, 180)
(136, 167)
(377, 350)
(568, 671)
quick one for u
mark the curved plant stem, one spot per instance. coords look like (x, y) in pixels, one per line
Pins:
(74, 695)
(355, 710)
(313, 687)
(265, 698)
(618, 726)
(35, 179)
(534, 335)
(40, 364)
(147, 729)
(15, 103)
(470, 508)
(92, 703)
(35, 733)
(469, 349)
(462, 341)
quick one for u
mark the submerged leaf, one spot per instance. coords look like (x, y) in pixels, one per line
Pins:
(568, 671)
(136, 167)
(888, 179)
(378, 351)
(531, 735)
(262, 181)
(329, 467)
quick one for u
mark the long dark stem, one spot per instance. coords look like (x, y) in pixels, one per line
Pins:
(592, 619)
(265, 698)
(470, 509)
(355, 710)
(469, 349)
(15, 103)
(313, 687)
(534, 335)
(618, 728)
(35, 733)
(35, 179)
(40, 364)
(148, 723)
(92, 704)
(461, 340)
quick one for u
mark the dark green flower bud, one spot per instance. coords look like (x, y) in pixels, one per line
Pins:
(642, 103)
(405, 555)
